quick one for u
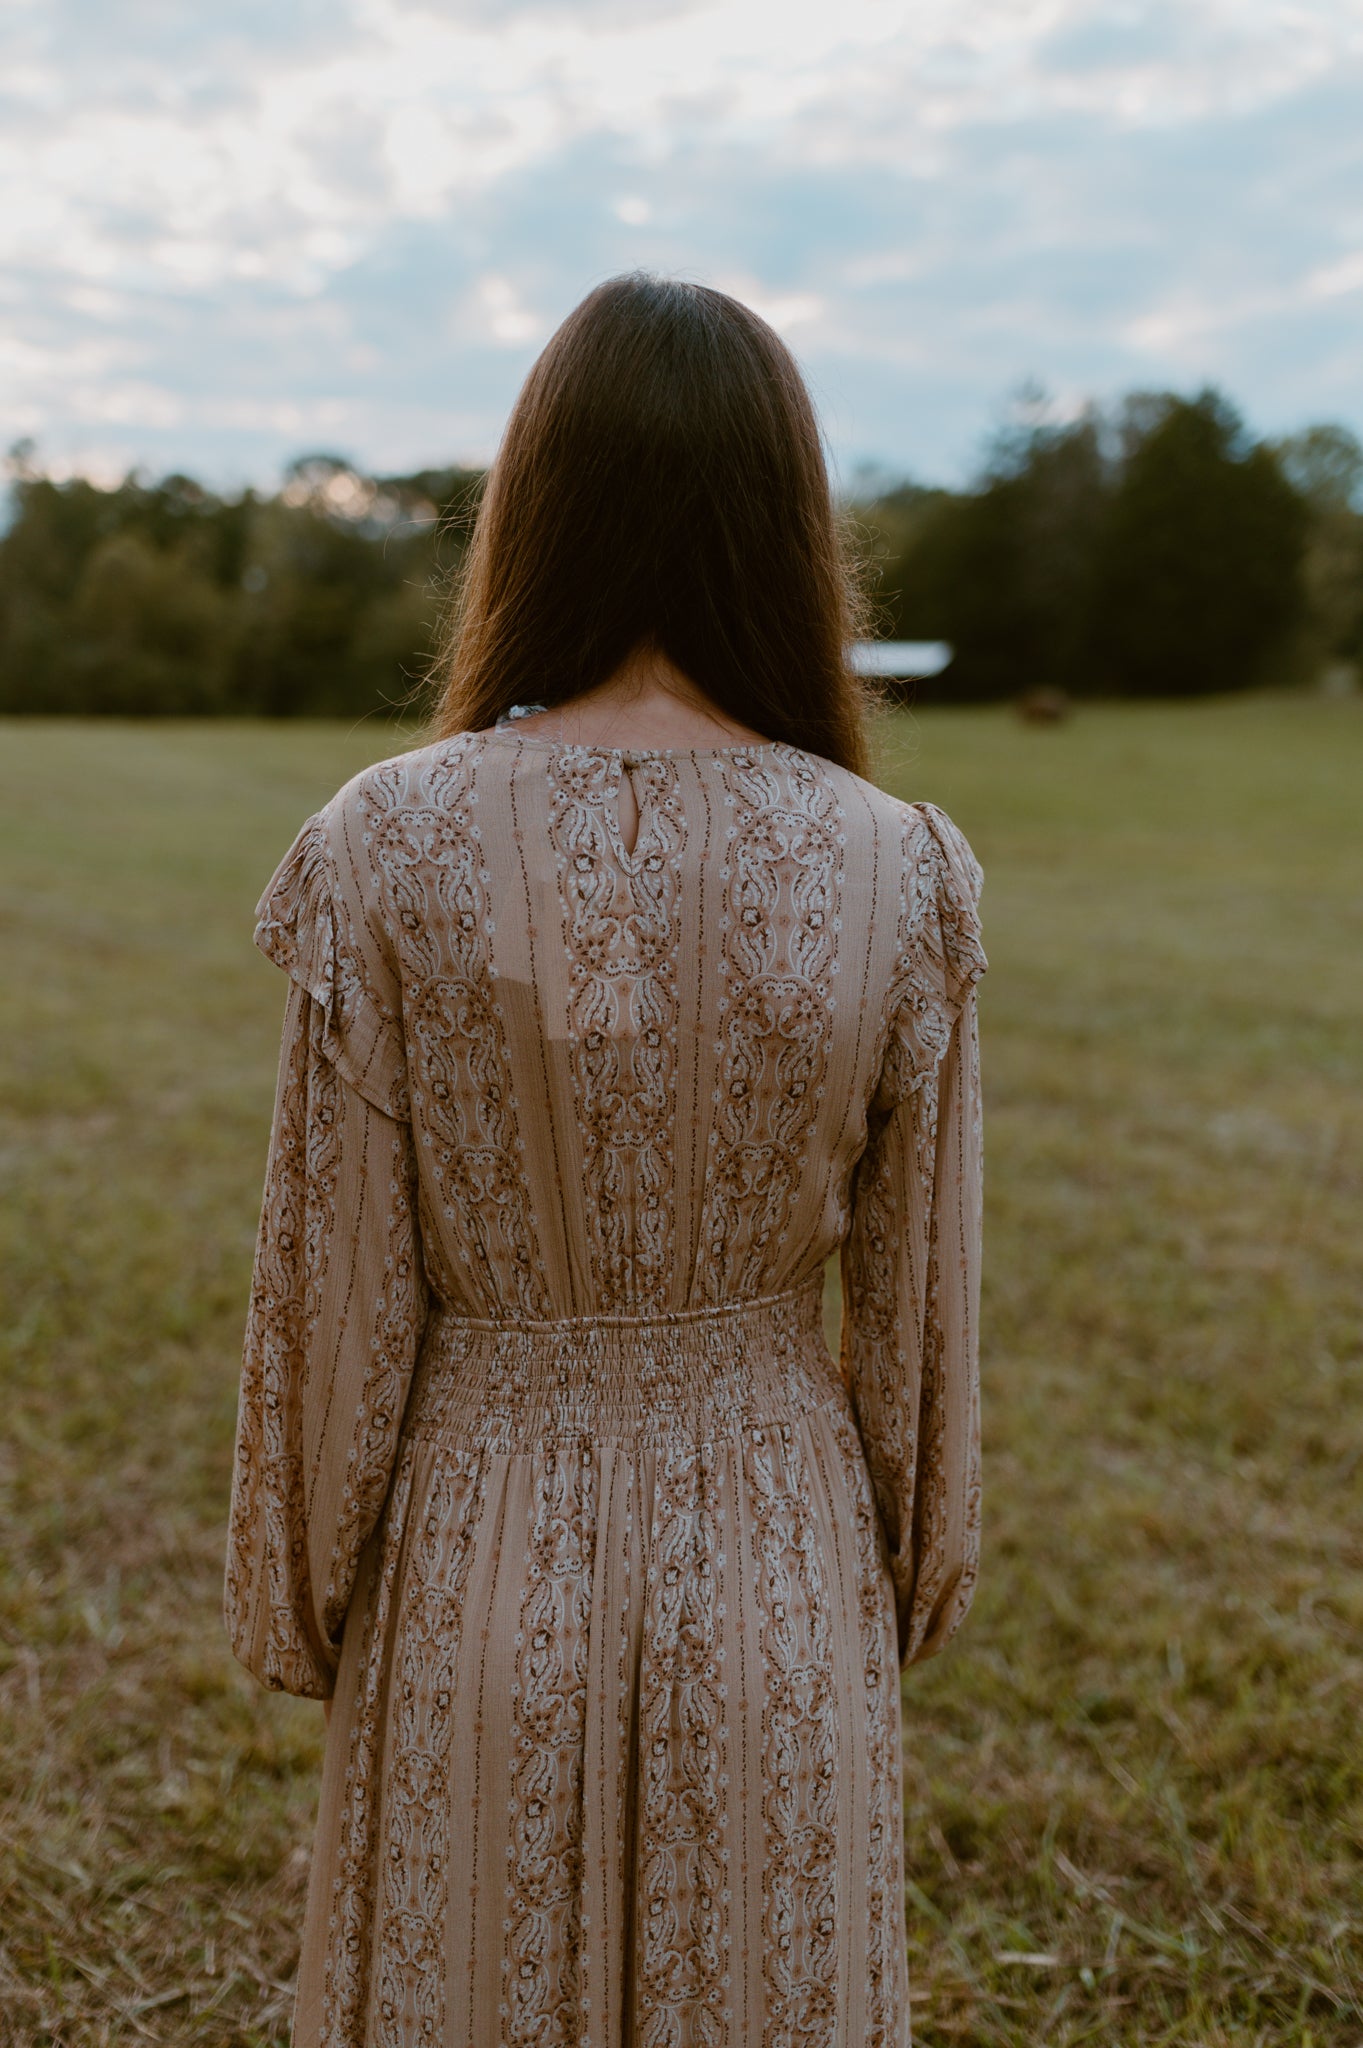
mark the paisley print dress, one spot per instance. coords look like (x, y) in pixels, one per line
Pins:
(545, 1474)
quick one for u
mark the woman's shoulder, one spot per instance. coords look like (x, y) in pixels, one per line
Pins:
(324, 918)
(925, 835)
(940, 882)
(331, 876)
(359, 821)
(417, 775)
(933, 837)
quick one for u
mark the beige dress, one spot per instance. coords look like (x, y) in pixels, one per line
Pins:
(543, 1467)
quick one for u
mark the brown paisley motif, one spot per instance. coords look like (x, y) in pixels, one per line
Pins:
(782, 874)
(543, 1960)
(683, 1878)
(621, 933)
(415, 1850)
(399, 1318)
(884, 1843)
(268, 1592)
(348, 1954)
(801, 1752)
(437, 887)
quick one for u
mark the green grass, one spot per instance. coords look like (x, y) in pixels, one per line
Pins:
(1135, 1784)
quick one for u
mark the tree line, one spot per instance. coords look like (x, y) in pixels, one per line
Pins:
(322, 600)
(1153, 549)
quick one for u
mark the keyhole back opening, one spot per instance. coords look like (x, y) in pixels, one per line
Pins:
(628, 808)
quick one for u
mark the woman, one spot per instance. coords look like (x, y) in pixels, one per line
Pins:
(609, 1022)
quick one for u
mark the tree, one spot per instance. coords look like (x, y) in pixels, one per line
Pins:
(1198, 565)
(1325, 465)
(1002, 572)
(147, 632)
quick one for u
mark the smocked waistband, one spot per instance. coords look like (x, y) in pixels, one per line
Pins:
(682, 1374)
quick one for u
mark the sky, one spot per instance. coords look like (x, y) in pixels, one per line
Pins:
(234, 234)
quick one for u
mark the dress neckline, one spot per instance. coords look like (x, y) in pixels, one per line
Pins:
(530, 739)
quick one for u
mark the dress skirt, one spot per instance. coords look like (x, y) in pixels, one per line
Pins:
(614, 1759)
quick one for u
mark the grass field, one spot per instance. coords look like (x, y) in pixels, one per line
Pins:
(1135, 1784)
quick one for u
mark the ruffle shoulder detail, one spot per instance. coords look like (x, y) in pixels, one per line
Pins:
(941, 956)
(306, 925)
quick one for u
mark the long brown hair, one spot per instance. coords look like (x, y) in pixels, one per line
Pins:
(661, 484)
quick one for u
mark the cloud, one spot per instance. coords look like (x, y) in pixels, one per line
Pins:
(231, 235)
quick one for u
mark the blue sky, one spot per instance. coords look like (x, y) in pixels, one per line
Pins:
(235, 234)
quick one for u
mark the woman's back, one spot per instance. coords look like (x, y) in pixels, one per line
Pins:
(543, 1463)
(639, 1080)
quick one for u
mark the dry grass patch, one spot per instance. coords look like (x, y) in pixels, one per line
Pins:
(1135, 1785)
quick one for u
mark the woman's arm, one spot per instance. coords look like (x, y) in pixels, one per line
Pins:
(911, 1261)
(338, 1294)
(338, 1302)
(910, 1271)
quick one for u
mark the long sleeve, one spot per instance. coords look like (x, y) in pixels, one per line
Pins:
(338, 1296)
(911, 1260)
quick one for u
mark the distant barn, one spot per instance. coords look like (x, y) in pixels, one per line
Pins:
(900, 661)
